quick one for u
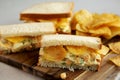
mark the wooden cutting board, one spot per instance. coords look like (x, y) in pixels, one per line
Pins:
(27, 61)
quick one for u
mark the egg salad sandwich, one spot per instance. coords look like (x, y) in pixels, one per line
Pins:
(24, 36)
(71, 52)
(58, 12)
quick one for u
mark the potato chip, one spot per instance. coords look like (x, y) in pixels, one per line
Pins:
(82, 33)
(104, 50)
(103, 19)
(116, 60)
(114, 23)
(54, 53)
(101, 31)
(105, 25)
(83, 18)
(79, 28)
(115, 47)
(115, 31)
(79, 50)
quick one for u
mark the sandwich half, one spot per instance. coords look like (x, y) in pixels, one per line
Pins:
(71, 52)
(57, 12)
(25, 36)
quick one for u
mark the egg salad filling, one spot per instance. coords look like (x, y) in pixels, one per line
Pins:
(62, 24)
(72, 55)
(15, 44)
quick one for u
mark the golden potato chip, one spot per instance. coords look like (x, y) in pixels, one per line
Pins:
(115, 47)
(101, 31)
(54, 53)
(115, 23)
(115, 31)
(116, 60)
(79, 28)
(83, 18)
(16, 39)
(104, 50)
(79, 50)
(82, 33)
(103, 19)
(106, 25)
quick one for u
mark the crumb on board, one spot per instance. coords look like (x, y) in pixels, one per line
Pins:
(63, 75)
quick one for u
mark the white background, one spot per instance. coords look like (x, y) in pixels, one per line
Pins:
(9, 14)
(10, 9)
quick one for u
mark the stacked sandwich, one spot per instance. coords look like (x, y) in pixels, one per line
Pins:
(47, 26)
(57, 12)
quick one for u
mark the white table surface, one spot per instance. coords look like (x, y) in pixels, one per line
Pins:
(9, 14)
(11, 73)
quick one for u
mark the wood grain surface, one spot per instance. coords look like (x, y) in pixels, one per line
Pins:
(27, 61)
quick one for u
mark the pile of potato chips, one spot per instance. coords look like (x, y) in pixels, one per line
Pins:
(104, 25)
(100, 25)
(115, 47)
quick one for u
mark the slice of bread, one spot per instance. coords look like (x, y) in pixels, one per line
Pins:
(47, 11)
(55, 40)
(27, 29)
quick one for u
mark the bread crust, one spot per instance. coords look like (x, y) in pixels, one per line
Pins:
(94, 67)
(37, 17)
(48, 11)
(74, 40)
(27, 29)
